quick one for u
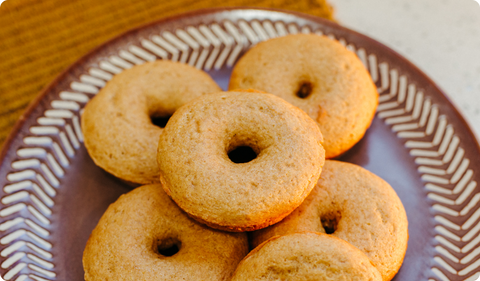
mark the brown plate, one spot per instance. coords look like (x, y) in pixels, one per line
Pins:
(52, 195)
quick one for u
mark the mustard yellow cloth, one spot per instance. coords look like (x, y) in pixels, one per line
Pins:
(40, 38)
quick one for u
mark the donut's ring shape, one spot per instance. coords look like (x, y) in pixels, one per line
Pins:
(306, 256)
(123, 246)
(119, 134)
(363, 210)
(196, 172)
(341, 96)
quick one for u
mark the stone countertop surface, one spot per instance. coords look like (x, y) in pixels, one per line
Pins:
(441, 37)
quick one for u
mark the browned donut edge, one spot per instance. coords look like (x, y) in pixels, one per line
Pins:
(228, 228)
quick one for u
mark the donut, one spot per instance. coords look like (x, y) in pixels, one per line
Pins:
(319, 76)
(145, 236)
(200, 171)
(357, 206)
(306, 256)
(119, 133)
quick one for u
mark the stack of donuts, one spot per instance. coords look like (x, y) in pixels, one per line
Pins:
(236, 185)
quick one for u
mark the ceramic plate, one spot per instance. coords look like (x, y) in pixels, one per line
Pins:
(52, 195)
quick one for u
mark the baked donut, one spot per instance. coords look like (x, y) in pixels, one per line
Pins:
(319, 76)
(117, 123)
(198, 169)
(357, 206)
(306, 256)
(145, 236)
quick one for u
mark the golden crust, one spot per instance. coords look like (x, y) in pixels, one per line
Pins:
(342, 98)
(123, 246)
(363, 209)
(119, 134)
(306, 256)
(199, 176)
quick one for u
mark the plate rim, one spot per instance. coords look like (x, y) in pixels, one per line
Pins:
(47, 89)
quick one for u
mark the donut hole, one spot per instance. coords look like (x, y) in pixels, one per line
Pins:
(160, 121)
(242, 154)
(304, 90)
(168, 247)
(330, 222)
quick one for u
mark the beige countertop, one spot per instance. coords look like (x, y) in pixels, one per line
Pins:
(441, 37)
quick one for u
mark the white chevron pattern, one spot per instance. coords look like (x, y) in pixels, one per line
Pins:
(36, 178)
(413, 116)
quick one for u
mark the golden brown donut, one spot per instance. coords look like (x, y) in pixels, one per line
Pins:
(319, 76)
(357, 206)
(306, 256)
(198, 173)
(145, 236)
(117, 123)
